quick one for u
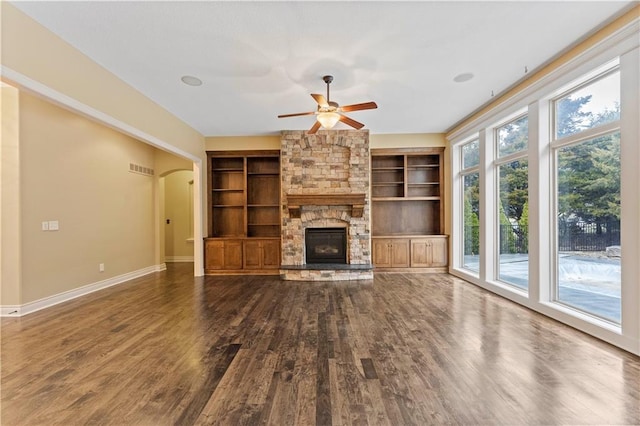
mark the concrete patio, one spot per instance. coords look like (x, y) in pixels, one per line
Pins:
(586, 282)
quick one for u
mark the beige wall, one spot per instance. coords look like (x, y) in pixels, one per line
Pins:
(165, 162)
(76, 171)
(409, 140)
(36, 53)
(36, 60)
(231, 143)
(9, 198)
(177, 209)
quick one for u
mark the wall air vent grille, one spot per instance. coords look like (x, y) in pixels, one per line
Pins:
(141, 170)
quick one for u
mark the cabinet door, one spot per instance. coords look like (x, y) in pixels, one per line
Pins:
(381, 252)
(252, 254)
(420, 255)
(400, 253)
(439, 252)
(214, 254)
(262, 254)
(429, 252)
(233, 255)
(271, 254)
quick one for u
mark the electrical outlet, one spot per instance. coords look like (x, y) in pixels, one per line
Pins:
(45, 225)
(54, 225)
(101, 267)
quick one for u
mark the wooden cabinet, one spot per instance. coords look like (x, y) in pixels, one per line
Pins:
(243, 204)
(429, 252)
(407, 206)
(261, 254)
(391, 252)
(222, 255)
(423, 254)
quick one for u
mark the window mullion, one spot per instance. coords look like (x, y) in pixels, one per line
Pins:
(487, 205)
(510, 158)
(541, 213)
(586, 134)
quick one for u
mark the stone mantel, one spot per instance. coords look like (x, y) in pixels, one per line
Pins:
(296, 201)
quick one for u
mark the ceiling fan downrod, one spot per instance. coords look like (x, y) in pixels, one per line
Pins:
(328, 79)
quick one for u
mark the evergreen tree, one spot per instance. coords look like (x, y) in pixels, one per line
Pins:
(589, 176)
(472, 229)
(514, 176)
(523, 228)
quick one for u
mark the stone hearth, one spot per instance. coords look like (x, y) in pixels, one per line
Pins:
(325, 183)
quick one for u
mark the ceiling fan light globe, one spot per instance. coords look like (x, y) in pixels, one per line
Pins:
(328, 119)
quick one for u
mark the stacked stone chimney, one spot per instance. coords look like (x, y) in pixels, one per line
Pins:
(327, 163)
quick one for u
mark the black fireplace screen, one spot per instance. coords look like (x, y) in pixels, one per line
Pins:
(326, 245)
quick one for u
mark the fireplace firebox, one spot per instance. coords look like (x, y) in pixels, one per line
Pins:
(326, 245)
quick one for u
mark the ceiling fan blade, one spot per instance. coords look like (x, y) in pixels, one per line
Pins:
(321, 100)
(351, 122)
(296, 114)
(314, 128)
(359, 107)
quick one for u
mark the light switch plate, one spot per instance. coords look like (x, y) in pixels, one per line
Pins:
(54, 225)
(45, 225)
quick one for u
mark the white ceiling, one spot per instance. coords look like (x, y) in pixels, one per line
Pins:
(261, 59)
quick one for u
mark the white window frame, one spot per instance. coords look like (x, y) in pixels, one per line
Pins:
(459, 187)
(625, 45)
(497, 162)
(555, 145)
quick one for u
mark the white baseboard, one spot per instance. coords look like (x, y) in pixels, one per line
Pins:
(174, 259)
(28, 308)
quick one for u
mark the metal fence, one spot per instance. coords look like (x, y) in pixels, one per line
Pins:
(582, 236)
(572, 236)
(514, 239)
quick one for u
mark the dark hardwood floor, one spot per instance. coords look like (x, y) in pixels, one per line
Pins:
(403, 349)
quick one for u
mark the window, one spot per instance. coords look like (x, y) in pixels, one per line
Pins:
(587, 199)
(545, 199)
(594, 104)
(471, 201)
(513, 202)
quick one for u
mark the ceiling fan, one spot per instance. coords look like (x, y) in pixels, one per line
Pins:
(329, 112)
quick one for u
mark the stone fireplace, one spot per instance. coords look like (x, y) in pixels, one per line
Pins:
(325, 185)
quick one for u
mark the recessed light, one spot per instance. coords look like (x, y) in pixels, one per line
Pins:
(461, 78)
(191, 80)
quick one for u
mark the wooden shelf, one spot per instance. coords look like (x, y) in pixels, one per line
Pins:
(406, 189)
(244, 205)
